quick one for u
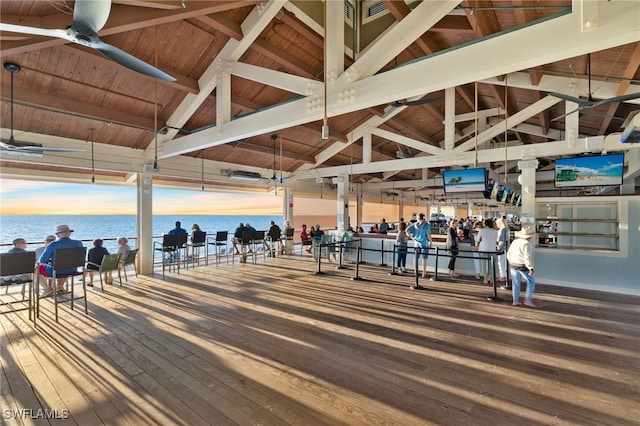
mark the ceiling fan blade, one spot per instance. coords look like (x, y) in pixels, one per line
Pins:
(13, 145)
(416, 102)
(48, 149)
(131, 62)
(620, 98)
(581, 102)
(46, 32)
(568, 113)
(91, 14)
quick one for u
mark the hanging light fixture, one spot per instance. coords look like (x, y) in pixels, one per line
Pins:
(93, 168)
(202, 169)
(506, 127)
(155, 107)
(325, 123)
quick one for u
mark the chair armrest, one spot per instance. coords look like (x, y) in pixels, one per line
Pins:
(94, 264)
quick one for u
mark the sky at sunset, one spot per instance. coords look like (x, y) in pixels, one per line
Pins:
(28, 197)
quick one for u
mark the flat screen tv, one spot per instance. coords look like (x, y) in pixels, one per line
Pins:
(464, 180)
(502, 196)
(492, 190)
(597, 170)
(518, 200)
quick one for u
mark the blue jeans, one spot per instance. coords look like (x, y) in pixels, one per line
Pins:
(401, 261)
(516, 278)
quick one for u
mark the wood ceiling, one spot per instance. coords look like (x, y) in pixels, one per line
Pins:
(248, 70)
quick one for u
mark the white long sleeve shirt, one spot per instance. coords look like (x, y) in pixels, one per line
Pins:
(521, 253)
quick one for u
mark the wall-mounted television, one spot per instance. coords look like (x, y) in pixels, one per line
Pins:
(464, 180)
(509, 198)
(492, 190)
(517, 200)
(597, 170)
(502, 195)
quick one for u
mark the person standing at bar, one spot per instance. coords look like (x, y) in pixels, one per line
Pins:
(420, 232)
(452, 245)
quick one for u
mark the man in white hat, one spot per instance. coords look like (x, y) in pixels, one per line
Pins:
(520, 257)
(63, 233)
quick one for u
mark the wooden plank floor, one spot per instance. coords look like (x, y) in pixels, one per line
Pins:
(275, 344)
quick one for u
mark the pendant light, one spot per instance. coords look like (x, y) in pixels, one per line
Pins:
(325, 123)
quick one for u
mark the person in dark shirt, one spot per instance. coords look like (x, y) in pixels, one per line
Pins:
(19, 246)
(274, 233)
(237, 237)
(384, 227)
(94, 259)
(178, 229)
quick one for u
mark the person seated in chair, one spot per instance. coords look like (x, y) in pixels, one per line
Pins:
(178, 229)
(63, 233)
(19, 246)
(237, 237)
(123, 249)
(287, 228)
(94, 259)
(274, 233)
(248, 232)
(306, 238)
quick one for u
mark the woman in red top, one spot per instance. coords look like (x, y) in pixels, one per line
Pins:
(306, 238)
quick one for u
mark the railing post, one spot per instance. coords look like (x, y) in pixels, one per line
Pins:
(357, 277)
(393, 261)
(340, 265)
(435, 271)
(382, 253)
(494, 297)
(319, 272)
(416, 272)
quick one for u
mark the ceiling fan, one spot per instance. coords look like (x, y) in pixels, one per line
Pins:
(14, 147)
(422, 101)
(89, 16)
(590, 102)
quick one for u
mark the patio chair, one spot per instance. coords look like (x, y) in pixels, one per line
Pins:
(218, 242)
(129, 259)
(198, 240)
(110, 263)
(17, 268)
(288, 241)
(170, 250)
(66, 258)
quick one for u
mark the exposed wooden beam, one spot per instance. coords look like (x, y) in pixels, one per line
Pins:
(65, 106)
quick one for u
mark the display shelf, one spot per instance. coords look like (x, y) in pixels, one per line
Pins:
(587, 226)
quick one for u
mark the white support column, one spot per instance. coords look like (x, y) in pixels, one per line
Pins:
(287, 215)
(287, 205)
(145, 222)
(528, 182)
(335, 40)
(342, 201)
(366, 148)
(449, 118)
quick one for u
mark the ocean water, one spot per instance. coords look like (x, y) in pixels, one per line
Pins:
(34, 228)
